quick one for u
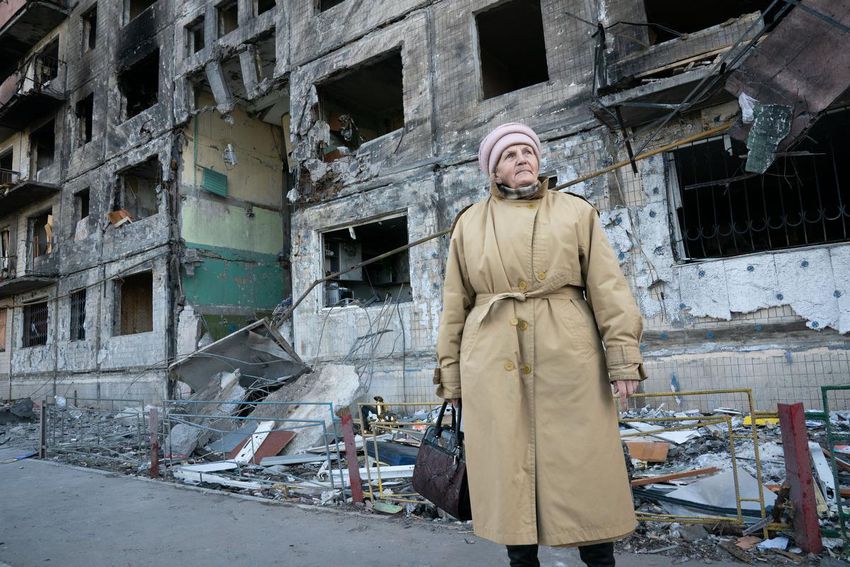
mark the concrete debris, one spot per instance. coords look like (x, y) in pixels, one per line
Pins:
(18, 411)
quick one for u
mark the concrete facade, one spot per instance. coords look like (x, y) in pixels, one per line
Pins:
(260, 86)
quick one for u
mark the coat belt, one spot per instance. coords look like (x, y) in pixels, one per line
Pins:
(490, 299)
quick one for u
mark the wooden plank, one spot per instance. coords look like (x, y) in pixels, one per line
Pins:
(674, 476)
(260, 445)
(827, 481)
(649, 451)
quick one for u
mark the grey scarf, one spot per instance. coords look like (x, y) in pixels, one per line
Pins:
(520, 192)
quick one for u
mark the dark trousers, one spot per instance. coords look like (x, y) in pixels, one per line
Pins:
(596, 555)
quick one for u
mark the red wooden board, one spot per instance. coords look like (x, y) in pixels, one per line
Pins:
(272, 445)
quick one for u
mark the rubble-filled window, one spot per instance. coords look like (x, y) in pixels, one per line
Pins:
(362, 103)
(139, 84)
(135, 7)
(85, 119)
(43, 146)
(670, 19)
(138, 187)
(800, 200)
(346, 247)
(35, 325)
(520, 62)
(3, 312)
(78, 315)
(195, 36)
(228, 17)
(134, 301)
(323, 5)
(41, 234)
(262, 6)
(89, 20)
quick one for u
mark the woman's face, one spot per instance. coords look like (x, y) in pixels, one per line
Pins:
(517, 166)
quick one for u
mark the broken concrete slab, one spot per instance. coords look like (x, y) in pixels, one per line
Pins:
(719, 490)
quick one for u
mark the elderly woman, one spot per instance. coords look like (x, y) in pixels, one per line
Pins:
(538, 324)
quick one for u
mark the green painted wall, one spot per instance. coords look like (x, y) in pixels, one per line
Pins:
(219, 224)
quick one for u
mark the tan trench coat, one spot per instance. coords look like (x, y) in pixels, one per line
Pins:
(521, 345)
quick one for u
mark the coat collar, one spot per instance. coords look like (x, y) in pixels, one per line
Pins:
(541, 191)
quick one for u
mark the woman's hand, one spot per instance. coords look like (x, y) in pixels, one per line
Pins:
(625, 388)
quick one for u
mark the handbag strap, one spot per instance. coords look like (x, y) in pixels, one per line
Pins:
(457, 413)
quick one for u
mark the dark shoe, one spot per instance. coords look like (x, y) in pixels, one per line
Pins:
(597, 555)
(523, 556)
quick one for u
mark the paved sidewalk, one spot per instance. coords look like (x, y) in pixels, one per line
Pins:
(65, 516)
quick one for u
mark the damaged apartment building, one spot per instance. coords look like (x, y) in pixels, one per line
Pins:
(174, 170)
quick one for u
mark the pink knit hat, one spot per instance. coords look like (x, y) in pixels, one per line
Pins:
(501, 138)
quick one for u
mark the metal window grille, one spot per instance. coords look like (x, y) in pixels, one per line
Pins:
(78, 315)
(35, 324)
(801, 200)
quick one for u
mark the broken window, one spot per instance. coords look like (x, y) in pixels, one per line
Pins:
(135, 7)
(195, 36)
(43, 146)
(261, 6)
(800, 200)
(327, 4)
(7, 174)
(134, 301)
(78, 315)
(139, 84)
(3, 315)
(35, 325)
(6, 268)
(47, 63)
(41, 234)
(509, 65)
(352, 245)
(89, 20)
(137, 189)
(362, 103)
(85, 119)
(228, 17)
(670, 19)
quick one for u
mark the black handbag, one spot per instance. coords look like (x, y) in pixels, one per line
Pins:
(440, 471)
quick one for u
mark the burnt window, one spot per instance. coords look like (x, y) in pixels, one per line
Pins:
(195, 36)
(3, 314)
(800, 200)
(43, 146)
(89, 21)
(77, 331)
(511, 64)
(362, 103)
(228, 17)
(352, 245)
(35, 325)
(6, 267)
(137, 189)
(262, 6)
(135, 7)
(134, 301)
(81, 205)
(47, 63)
(7, 174)
(41, 234)
(84, 111)
(139, 84)
(669, 19)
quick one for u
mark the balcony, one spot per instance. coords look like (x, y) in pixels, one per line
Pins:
(33, 91)
(16, 192)
(23, 23)
(44, 272)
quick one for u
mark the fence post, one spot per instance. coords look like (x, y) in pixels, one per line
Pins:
(153, 424)
(351, 454)
(42, 430)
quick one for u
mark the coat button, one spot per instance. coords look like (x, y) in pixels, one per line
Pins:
(526, 369)
(541, 276)
(514, 322)
(509, 365)
(523, 325)
(523, 285)
(530, 205)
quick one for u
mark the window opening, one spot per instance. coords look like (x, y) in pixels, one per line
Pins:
(43, 146)
(78, 315)
(41, 235)
(800, 200)
(328, 4)
(6, 266)
(262, 6)
(35, 325)
(134, 296)
(362, 103)
(195, 36)
(89, 20)
(3, 315)
(136, 7)
(228, 17)
(520, 62)
(138, 187)
(139, 84)
(47, 63)
(85, 119)
(673, 18)
(346, 247)
(7, 175)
